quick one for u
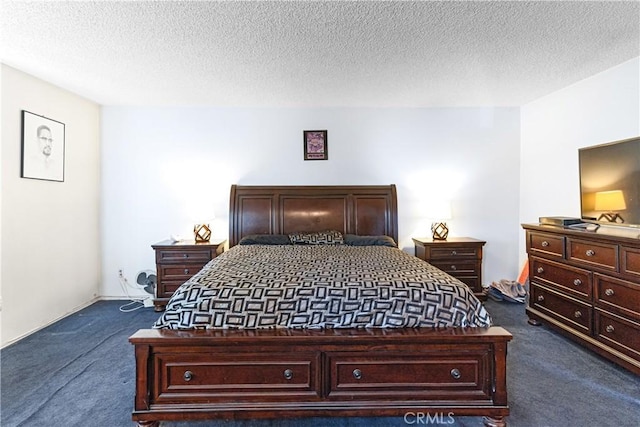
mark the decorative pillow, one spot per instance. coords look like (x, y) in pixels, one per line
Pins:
(328, 237)
(354, 240)
(265, 239)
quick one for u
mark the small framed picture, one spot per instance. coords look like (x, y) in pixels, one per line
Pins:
(315, 145)
(42, 148)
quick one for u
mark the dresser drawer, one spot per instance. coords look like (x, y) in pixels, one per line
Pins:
(573, 280)
(204, 376)
(414, 376)
(573, 313)
(619, 333)
(181, 256)
(600, 255)
(617, 295)
(545, 244)
(630, 258)
(457, 268)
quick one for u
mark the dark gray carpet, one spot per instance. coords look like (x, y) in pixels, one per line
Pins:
(79, 372)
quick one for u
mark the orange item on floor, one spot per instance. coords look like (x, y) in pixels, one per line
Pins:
(524, 274)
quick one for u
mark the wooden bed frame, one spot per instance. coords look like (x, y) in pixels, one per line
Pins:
(409, 372)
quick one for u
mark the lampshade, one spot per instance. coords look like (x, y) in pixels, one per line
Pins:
(608, 201)
(439, 210)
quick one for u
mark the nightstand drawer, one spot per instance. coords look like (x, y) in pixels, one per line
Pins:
(457, 268)
(169, 287)
(166, 256)
(452, 252)
(179, 271)
(569, 311)
(599, 255)
(573, 280)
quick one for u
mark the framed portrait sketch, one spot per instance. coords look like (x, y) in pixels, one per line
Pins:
(42, 148)
(315, 145)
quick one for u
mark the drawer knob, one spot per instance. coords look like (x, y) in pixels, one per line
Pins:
(357, 374)
(540, 270)
(545, 243)
(540, 298)
(577, 282)
(186, 271)
(454, 253)
(188, 375)
(590, 252)
(609, 292)
(455, 373)
(453, 267)
(577, 314)
(610, 328)
(288, 374)
(185, 255)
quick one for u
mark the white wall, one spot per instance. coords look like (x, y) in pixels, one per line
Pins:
(50, 240)
(602, 108)
(164, 168)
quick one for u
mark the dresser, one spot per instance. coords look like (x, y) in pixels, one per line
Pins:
(177, 262)
(461, 257)
(586, 285)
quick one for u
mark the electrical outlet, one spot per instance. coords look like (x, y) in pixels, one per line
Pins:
(120, 274)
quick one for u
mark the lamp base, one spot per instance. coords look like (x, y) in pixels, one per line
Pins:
(202, 233)
(611, 217)
(440, 231)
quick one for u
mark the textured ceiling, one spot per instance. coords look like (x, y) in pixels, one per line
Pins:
(317, 53)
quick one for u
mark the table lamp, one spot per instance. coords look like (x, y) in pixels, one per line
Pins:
(610, 201)
(439, 212)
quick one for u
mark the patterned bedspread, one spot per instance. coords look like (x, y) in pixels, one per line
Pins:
(321, 286)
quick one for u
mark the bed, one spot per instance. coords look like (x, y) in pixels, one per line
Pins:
(200, 363)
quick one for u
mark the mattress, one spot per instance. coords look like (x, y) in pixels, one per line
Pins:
(321, 286)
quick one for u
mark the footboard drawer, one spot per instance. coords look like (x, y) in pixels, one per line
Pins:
(205, 376)
(445, 375)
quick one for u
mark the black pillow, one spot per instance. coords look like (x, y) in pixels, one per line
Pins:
(354, 240)
(326, 237)
(265, 239)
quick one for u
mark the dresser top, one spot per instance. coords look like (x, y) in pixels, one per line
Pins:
(617, 234)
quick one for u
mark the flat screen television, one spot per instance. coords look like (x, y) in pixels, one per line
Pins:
(610, 183)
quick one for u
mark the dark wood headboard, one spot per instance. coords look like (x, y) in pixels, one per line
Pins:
(359, 209)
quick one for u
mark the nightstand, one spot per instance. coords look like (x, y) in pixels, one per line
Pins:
(177, 262)
(460, 257)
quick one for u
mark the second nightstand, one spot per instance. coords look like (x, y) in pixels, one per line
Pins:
(460, 257)
(177, 262)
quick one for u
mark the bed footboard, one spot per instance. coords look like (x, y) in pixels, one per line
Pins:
(194, 375)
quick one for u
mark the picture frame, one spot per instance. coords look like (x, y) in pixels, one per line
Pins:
(315, 145)
(43, 148)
